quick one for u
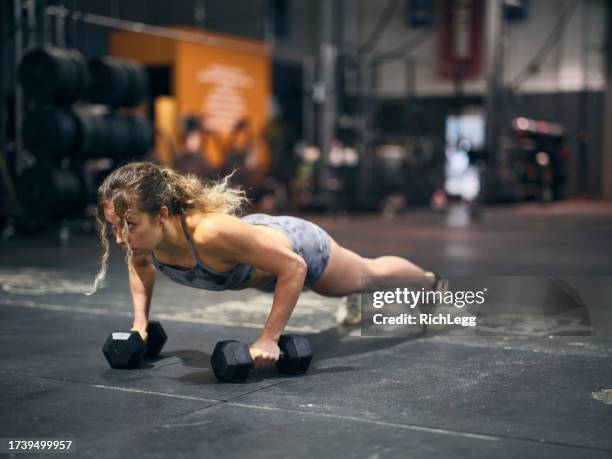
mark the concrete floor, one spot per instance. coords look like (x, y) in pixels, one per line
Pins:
(424, 395)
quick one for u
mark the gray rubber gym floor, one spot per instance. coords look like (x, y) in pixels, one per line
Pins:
(426, 395)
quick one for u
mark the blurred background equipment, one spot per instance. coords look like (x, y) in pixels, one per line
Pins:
(55, 193)
(117, 82)
(61, 130)
(54, 74)
(408, 103)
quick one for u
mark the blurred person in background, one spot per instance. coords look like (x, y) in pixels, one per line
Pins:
(191, 157)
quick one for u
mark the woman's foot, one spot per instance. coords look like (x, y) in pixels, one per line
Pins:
(349, 310)
(441, 284)
(440, 281)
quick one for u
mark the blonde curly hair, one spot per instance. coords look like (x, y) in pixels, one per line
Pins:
(147, 187)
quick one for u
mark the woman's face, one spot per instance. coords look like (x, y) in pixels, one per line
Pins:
(143, 231)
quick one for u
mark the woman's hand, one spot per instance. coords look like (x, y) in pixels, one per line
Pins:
(264, 352)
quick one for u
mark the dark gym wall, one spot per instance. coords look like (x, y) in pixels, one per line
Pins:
(242, 18)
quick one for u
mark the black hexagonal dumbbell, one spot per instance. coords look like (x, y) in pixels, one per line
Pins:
(231, 360)
(157, 339)
(295, 354)
(126, 350)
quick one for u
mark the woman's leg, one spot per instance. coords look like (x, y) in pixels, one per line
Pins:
(347, 271)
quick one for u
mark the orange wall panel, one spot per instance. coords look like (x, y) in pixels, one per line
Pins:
(224, 79)
(224, 86)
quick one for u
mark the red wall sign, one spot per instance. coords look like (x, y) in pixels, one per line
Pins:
(460, 43)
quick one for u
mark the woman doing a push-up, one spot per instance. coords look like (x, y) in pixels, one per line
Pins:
(189, 230)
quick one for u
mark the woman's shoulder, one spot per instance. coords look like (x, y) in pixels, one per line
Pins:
(210, 225)
(220, 234)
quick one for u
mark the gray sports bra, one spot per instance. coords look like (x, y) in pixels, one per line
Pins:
(201, 276)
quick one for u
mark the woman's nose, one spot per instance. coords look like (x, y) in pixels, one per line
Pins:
(118, 238)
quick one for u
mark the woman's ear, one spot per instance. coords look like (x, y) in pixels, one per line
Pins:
(163, 214)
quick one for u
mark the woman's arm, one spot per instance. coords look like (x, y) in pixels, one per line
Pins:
(231, 239)
(142, 281)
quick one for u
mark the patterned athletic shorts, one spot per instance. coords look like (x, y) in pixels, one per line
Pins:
(309, 241)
